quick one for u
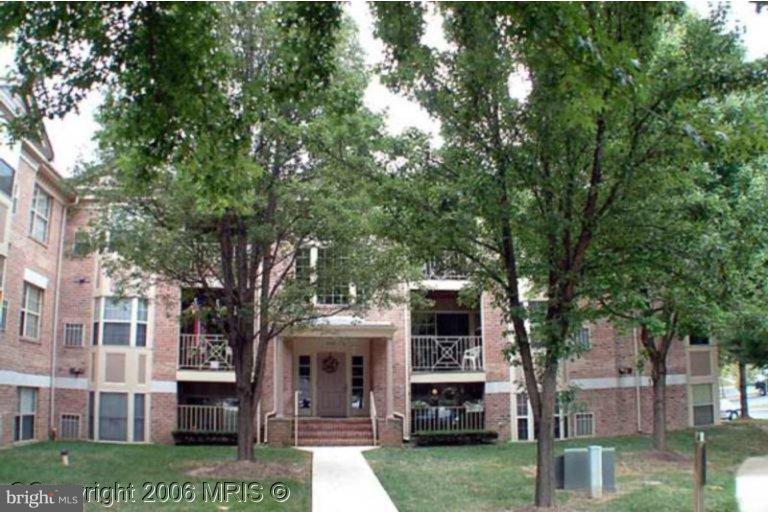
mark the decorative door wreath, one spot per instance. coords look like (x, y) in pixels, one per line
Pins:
(330, 364)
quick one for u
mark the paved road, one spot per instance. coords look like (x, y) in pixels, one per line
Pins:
(758, 405)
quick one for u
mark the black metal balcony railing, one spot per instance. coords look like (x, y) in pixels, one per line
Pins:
(446, 353)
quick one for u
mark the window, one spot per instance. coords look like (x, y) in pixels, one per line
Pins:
(581, 339)
(31, 311)
(141, 322)
(73, 335)
(80, 246)
(560, 422)
(522, 417)
(331, 288)
(40, 214)
(138, 416)
(6, 178)
(305, 382)
(429, 323)
(698, 340)
(358, 382)
(120, 322)
(113, 416)
(24, 426)
(91, 409)
(584, 424)
(3, 315)
(703, 406)
(69, 426)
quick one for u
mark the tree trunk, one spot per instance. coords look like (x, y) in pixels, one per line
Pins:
(659, 380)
(743, 389)
(245, 414)
(545, 447)
(244, 361)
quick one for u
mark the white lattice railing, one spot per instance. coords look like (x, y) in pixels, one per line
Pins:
(450, 268)
(204, 352)
(446, 353)
(206, 418)
(447, 419)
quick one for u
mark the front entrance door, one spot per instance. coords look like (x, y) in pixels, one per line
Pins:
(331, 384)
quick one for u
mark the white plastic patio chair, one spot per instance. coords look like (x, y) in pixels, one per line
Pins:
(471, 359)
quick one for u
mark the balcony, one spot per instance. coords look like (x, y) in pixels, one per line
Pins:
(209, 419)
(449, 268)
(205, 352)
(446, 353)
(459, 418)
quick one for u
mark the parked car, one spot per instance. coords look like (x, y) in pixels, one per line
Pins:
(761, 382)
(729, 409)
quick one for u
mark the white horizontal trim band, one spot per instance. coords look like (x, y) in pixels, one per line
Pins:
(626, 381)
(36, 279)
(163, 386)
(503, 386)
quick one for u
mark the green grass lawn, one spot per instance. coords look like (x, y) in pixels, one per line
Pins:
(501, 477)
(109, 463)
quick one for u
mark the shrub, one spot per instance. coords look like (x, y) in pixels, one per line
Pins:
(204, 437)
(431, 438)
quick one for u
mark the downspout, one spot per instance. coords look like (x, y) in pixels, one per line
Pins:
(638, 411)
(54, 341)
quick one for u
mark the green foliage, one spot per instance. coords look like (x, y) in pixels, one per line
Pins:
(258, 176)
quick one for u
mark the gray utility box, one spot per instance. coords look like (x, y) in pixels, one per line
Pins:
(572, 469)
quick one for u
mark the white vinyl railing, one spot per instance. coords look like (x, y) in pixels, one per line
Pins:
(450, 268)
(446, 419)
(207, 418)
(446, 353)
(374, 427)
(205, 352)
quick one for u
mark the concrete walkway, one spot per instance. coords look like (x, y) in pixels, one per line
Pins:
(343, 481)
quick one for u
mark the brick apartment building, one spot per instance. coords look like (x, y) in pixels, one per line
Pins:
(80, 362)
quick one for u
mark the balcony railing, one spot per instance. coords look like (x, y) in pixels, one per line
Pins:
(446, 353)
(208, 352)
(447, 418)
(445, 268)
(220, 419)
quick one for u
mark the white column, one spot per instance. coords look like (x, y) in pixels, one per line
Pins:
(595, 471)
(390, 371)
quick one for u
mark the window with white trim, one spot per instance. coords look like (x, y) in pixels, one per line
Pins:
(3, 315)
(40, 214)
(120, 321)
(581, 338)
(358, 382)
(31, 312)
(323, 271)
(73, 335)
(24, 424)
(584, 424)
(305, 382)
(7, 174)
(522, 417)
(703, 404)
(69, 426)
(331, 288)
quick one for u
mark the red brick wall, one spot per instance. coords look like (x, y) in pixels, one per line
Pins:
(163, 417)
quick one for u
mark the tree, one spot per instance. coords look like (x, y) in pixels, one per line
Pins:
(526, 188)
(253, 181)
(162, 56)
